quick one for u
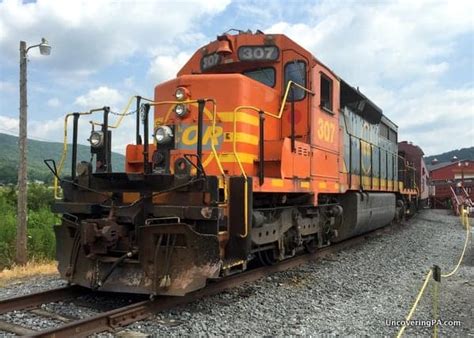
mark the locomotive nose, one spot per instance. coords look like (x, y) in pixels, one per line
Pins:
(225, 133)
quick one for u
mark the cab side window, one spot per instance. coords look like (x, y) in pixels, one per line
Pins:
(296, 71)
(383, 130)
(392, 136)
(326, 92)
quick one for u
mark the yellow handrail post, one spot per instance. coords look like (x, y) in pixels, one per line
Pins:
(213, 130)
(63, 157)
(236, 155)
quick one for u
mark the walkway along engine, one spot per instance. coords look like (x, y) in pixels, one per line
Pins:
(260, 152)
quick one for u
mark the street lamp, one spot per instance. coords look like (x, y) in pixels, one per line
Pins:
(21, 255)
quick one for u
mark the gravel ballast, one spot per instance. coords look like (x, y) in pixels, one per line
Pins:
(32, 285)
(358, 291)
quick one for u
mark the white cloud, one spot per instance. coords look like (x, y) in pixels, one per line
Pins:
(99, 97)
(7, 87)
(439, 120)
(165, 67)
(398, 53)
(129, 82)
(389, 41)
(47, 130)
(9, 125)
(86, 35)
(105, 96)
(53, 102)
(438, 68)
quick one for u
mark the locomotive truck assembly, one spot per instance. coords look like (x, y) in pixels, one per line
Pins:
(260, 152)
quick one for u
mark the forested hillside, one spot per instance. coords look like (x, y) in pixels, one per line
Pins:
(37, 152)
(461, 154)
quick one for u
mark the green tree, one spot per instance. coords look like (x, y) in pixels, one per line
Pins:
(41, 241)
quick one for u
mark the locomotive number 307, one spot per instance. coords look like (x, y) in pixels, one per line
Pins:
(258, 53)
(326, 130)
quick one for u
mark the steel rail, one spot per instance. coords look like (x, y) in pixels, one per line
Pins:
(33, 300)
(111, 320)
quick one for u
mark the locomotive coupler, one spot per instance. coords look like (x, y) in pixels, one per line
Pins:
(100, 235)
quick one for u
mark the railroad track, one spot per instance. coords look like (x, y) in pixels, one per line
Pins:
(112, 320)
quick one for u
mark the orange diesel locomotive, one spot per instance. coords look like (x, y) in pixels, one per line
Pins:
(260, 152)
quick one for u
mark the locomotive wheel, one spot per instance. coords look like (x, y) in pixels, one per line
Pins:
(266, 257)
(311, 246)
(400, 216)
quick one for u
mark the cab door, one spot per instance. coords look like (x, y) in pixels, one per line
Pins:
(296, 68)
(296, 158)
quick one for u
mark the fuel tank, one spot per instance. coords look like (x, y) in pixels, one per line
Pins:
(364, 212)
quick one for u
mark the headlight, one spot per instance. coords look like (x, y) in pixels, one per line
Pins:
(180, 94)
(96, 139)
(181, 110)
(163, 134)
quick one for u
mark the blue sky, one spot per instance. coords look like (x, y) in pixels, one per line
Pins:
(414, 59)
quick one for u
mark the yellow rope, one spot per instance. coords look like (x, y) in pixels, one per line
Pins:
(122, 115)
(415, 304)
(465, 221)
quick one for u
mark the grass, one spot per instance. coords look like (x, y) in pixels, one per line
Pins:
(41, 241)
(31, 269)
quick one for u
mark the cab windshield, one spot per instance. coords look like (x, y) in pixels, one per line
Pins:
(262, 75)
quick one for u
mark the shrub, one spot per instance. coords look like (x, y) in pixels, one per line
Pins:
(40, 197)
(41, 241)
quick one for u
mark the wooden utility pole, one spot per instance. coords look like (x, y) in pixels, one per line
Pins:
(21, 256)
